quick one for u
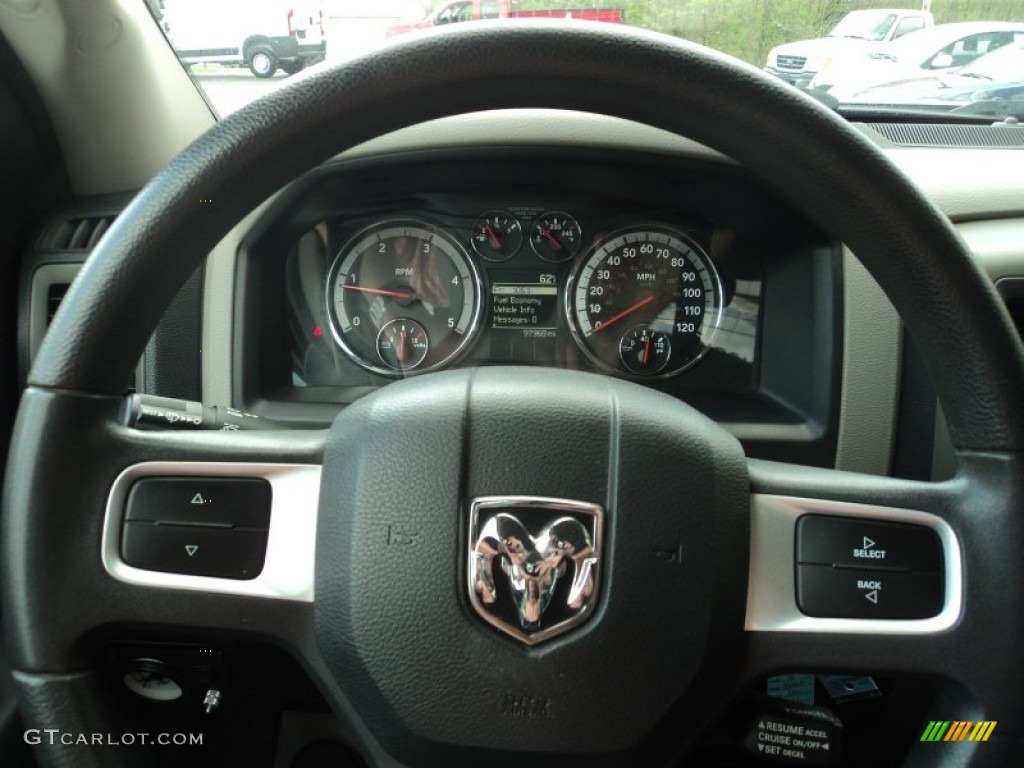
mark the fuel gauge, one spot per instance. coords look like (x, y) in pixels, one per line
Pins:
(497, 235)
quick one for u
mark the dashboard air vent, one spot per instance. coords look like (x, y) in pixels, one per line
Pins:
(54, 296)
(80, 233)
(931, 135)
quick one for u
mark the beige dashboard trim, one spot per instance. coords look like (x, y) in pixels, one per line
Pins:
(538, 127)
(77, 52)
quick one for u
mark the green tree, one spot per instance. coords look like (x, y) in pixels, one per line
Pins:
(748, 29)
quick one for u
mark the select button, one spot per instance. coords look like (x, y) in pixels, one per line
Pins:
(850, 542)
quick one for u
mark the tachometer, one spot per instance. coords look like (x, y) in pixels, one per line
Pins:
(403, 297)
(645, 302)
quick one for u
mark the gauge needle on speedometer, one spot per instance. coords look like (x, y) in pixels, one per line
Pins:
(623, 313)
(379, 291)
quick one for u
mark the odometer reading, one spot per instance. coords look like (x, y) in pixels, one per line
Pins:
(645, 303)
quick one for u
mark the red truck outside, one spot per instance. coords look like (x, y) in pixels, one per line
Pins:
(472, 10)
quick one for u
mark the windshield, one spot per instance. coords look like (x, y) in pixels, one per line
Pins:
(236, 50)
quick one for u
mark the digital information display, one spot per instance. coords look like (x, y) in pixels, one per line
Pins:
(524, 316)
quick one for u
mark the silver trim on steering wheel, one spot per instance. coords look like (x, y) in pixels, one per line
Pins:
(771, 595)
(288, 571)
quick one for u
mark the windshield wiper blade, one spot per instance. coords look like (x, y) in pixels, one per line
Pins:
(1000, 109)
(909, 112)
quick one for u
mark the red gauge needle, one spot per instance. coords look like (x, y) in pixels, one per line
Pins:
(378, 291)
(495, 242)
(647, 352)
(623, 313)
(401, 348)
(552, 240)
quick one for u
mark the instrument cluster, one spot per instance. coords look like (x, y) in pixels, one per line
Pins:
(689, 277)
(643, 300)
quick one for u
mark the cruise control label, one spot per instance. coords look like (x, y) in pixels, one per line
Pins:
(794, 741)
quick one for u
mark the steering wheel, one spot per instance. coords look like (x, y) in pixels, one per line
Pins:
(389, 637)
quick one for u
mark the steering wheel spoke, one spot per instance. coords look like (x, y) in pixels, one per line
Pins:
(83, 529)
(843, 576)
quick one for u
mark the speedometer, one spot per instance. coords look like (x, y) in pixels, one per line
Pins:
(645, 302)
(403, 297)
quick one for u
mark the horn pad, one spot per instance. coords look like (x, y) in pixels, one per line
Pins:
(398, 564)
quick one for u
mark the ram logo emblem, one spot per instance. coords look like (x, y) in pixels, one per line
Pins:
(534, 564)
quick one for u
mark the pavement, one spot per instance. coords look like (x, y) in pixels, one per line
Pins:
(231, 88)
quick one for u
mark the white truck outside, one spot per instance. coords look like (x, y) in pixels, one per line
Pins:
(857, 31)
(263, 35)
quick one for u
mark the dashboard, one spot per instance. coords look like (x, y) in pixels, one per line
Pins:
(686, 276)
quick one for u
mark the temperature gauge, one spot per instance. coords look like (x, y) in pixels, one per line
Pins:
(497, 235)
(556, 236)
(402, 344)
(644, 351)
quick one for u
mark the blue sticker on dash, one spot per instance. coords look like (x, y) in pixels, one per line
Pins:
(799, 688)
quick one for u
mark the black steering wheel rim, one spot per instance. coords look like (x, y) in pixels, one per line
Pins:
(843, 182)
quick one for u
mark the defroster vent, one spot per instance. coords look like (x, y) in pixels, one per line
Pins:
(998, 136)
(79, 233)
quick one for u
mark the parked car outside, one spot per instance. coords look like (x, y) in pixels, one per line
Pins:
(264, 36)
(993, 84)
(858, 31)
(945, 47)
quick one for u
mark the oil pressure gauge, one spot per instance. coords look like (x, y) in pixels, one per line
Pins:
(644, 351)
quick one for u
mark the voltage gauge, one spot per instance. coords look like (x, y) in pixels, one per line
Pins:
(402, 344)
